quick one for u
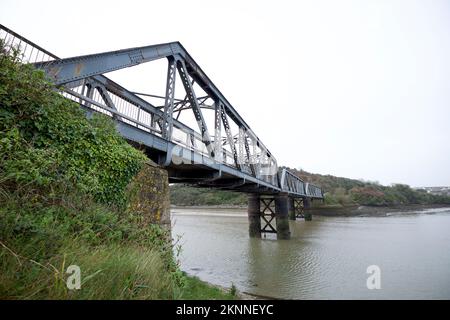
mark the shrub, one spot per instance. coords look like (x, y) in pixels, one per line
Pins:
(367, 196)
(107, 272)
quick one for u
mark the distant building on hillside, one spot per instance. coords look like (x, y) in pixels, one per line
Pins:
(444, 191)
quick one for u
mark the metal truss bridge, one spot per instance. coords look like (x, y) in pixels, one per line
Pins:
(222, 152)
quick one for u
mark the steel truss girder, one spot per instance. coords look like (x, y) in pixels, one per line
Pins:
(218, 152)
(68, 70)
(167, 125)
(63, 71)
(71, 69)
(240, 143)
(105, 96)
(206, 139)
(89, 93)
(62, 64)
(250, 159)
(230, 139)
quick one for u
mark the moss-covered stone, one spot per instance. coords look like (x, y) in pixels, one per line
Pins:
(149, 196)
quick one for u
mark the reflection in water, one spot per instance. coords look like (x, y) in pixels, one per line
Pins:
(325, 259)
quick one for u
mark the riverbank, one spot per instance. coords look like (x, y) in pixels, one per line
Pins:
(196, 289)
(373, 211)
(329, 211)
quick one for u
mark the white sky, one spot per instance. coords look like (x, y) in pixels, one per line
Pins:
(359, 89)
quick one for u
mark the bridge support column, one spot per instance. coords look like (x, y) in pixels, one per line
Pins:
(307, 206)
(254, 216)
(282, 216)
(291, 208)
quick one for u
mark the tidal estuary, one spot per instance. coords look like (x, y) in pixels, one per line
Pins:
(326, 258)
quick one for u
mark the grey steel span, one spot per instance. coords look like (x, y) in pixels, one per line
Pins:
(229, 157)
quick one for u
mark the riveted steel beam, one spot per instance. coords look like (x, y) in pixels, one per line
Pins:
(230, 139)
(218, 152)
(250, 158)
(206, 139)
(167, 126)
(62, 71)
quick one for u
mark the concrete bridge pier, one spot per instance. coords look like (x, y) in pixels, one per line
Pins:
(254, 216)
(291, 208)
(282, 216)
(307, 206)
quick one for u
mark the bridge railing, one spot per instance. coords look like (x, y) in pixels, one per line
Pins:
(313, 191)
(291, 183)
(31, 52)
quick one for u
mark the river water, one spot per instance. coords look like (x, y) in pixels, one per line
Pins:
(326, 258)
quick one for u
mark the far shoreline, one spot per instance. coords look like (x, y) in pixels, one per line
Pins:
(375, 211)
(341, 211)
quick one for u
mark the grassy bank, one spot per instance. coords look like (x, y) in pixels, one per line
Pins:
(195, 289)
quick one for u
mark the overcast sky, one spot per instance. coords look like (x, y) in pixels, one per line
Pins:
(359, 89)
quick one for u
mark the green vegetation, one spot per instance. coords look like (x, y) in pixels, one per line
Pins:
(64, 201)
(344, 192)
(195, 289)
(338, 192)
(181, 195)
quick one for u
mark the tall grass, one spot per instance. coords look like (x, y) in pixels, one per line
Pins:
(107, 272)
(118, 258)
